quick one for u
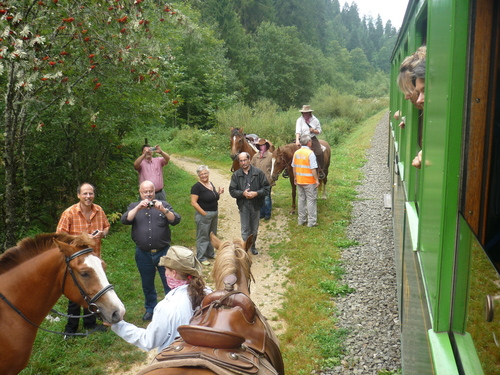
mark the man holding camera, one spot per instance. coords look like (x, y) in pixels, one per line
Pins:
(84, 217)
(151, 220)
(151, 169)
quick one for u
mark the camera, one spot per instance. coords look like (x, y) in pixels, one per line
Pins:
(152, 149)
(151, 204)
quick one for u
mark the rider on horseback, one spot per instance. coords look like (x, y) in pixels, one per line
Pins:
(309, 124)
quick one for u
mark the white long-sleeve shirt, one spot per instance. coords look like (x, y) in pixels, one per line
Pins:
(174, 310)
(301, 127)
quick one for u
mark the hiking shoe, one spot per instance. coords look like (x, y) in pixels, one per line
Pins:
(147, 316)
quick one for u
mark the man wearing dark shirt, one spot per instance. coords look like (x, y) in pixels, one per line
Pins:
(249, 186)
(150, 220)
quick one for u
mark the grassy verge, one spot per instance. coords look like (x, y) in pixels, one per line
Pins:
(312, 339)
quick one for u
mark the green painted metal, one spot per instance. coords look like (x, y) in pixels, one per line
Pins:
(468, 356)
(442, 354)
(447, 32)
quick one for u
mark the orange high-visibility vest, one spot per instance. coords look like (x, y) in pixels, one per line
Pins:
(303, 172)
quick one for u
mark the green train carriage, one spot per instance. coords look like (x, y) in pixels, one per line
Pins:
(447, 214)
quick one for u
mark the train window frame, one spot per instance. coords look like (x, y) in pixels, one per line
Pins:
(478, 145)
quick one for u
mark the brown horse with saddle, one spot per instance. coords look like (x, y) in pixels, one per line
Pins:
(228, 335)
(283, 158)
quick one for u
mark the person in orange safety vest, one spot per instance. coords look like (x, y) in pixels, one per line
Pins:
(306, 178)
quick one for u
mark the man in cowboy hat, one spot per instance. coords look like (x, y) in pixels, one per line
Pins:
(263, 160)
(184, 276)
(308, 124)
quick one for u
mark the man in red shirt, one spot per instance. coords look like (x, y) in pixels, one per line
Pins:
(84, 217)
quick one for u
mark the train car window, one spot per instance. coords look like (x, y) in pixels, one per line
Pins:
(480, 204)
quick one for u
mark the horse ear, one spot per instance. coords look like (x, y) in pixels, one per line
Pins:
(64, 247)
(248, 243)
(215, 240)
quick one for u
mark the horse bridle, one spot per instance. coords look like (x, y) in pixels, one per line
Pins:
(285, 167)
(91, 302)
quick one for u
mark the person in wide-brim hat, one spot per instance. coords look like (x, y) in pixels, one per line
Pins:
(182, 260)
(306, 108)
(308, 124)
(263, 141)
(184, 276)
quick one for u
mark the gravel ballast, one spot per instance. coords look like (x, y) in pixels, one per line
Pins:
(370, 314)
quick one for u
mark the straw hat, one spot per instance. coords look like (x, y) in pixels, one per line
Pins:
(306, 108)
(183, 260)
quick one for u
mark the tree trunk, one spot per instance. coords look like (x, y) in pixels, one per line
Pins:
(14, 116)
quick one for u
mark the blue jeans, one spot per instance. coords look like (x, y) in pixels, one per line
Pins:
(265, 211)
(147, 263)
(205, 225)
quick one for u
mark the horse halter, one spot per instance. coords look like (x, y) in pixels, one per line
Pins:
(91, 302)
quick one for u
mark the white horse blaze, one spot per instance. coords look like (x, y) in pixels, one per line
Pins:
(95, 263)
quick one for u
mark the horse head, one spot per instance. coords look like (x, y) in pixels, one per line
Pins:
(90, 286)
(237, 141)
(279, 163)
(233, 258)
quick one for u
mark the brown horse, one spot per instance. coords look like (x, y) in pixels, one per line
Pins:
(228, 335)
(239, 143)
(33, 275)
(283, 157)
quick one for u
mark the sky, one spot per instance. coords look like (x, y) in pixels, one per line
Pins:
(393, 10)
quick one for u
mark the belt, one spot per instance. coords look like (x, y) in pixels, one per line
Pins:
(151, 251)
(158, 191)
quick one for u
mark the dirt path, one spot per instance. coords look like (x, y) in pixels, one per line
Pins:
(270, 278)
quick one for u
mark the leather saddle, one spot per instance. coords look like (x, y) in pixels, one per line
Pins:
(228, 330)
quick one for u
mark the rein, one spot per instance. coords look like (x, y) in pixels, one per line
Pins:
(92, 307)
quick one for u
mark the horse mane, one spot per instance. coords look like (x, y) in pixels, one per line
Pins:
(30, 247)
(230, 257)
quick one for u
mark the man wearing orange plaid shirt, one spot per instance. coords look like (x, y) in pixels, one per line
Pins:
(84, 217)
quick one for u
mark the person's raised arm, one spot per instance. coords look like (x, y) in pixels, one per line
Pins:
(163, 153)
(138, 161)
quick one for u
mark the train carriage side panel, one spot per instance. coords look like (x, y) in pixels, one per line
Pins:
(443, 118)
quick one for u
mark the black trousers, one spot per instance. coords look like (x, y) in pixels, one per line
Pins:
(320, 158)
(75, 309)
